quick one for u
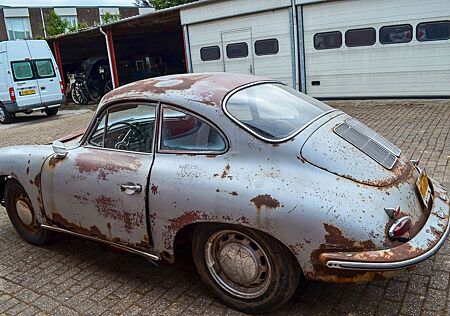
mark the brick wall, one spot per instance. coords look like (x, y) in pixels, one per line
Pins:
(127, 12)
(3, 34)
(89, 15)
(36, 22)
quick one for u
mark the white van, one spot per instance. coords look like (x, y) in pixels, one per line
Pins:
(29, 79)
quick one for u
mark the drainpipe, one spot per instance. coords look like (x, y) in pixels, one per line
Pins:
(43, 23)
(111, 56)
(296, 55)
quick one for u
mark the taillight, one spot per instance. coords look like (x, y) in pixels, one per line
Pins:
(400, 227)
(61, 85)
(12, 94)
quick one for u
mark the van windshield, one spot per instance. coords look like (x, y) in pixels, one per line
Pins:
(22, 70)
(273, 110)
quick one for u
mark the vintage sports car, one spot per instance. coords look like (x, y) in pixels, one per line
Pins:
(266, 183)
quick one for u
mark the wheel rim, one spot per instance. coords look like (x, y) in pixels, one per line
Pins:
(25, 213)
(238, 264)
(2, 115)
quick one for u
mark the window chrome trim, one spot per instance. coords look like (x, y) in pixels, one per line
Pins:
(186, 152)
(272, 141)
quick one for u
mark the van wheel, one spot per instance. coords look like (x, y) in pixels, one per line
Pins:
(51, 111)
(22, 215)
(248, 270)
(5, 116)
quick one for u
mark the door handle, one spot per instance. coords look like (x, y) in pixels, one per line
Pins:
(131, 188)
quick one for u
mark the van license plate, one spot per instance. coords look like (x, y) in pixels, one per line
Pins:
(424, 187)
(27, 92)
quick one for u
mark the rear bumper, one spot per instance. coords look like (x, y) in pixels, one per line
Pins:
(425, 244)
(13, 107)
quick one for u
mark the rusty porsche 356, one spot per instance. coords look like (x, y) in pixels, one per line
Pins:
(268, 185)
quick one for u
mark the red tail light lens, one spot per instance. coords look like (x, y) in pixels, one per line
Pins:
(12, 94)
(61, 85)
(400, 227)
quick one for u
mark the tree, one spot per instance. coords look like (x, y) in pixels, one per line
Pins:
(108, 17)
(55, 25)
(160, 4)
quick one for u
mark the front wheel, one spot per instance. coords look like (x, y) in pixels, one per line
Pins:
(248, 270)
(22, 215)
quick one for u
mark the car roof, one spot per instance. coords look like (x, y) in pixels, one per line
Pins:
(206, 88)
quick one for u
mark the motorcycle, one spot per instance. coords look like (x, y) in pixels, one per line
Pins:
(91, 83)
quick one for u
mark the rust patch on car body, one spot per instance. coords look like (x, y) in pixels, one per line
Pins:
(154, 189)
(53, 161)
(93, 231)
(265, 200)
(225, 172)
(37, 181)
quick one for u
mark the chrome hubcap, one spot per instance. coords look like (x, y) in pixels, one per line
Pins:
(24, 212)
(238, 264)
(2, 115)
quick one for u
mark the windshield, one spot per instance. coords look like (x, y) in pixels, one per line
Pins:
(273, 110)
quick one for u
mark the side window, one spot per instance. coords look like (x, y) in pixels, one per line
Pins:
(187, 133)
(267, 47)
(433, 31)
(396, 34)
(237, 50)
(328, 40)
(22, 70)
(360, 37)
(210, 53)
(128, 127)
(44, 68)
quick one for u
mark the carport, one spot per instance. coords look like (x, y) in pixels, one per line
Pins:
(138, 47)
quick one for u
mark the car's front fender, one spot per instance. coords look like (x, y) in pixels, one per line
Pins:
(24, 164)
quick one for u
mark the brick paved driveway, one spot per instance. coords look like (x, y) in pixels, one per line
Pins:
(74, 276)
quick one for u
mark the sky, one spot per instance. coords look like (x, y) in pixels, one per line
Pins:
(55, 3)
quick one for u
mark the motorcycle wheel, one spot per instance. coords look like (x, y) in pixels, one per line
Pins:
(79, 96)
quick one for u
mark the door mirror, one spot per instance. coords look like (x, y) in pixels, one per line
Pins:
(59, 149)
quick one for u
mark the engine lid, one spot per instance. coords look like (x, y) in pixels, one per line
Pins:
(348, 148)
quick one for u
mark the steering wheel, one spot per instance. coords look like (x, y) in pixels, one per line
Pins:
(123, 143)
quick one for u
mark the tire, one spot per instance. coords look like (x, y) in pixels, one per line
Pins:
(79, 93)
(271, 276)
(27, 225)
(5, 116)
(51, 111)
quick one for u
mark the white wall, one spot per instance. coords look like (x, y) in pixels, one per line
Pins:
(264, 25)
(407, 69)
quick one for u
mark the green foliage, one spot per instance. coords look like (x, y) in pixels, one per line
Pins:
(108, 17)
(81, 25)
(160, 4)
(54, 24)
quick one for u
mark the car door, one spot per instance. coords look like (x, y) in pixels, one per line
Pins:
(24, 82)
(238, 51)
(48, 81)
(191, 162)
(100, 188)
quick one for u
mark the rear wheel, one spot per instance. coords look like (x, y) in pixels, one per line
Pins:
(5, 116)
(51, 111)
(22, 215)
(246, 269)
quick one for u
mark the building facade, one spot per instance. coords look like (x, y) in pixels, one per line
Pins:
(28, 23)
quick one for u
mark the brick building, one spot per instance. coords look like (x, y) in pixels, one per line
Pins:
(28, 23)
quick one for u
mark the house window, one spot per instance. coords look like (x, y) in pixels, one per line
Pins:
(267, 47)
(433, 31)
(237, 50)
(360, 37)
(396, 34)
(72, 21)
(210, 53)
(328, 40)
(18, 28)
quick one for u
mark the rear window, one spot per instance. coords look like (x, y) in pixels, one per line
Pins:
(273, 111)
(22, 70)
(44, 68)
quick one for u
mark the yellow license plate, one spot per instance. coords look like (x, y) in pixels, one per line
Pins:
(27, 92)
(424, 187)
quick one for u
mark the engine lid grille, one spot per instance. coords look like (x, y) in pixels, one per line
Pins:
(368, 141)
